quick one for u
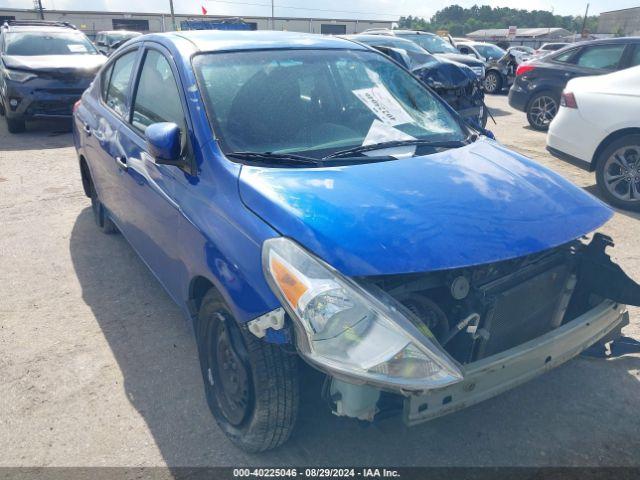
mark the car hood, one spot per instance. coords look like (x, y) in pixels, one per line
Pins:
(446, 73)
(58, 63)
(458, 57)
(462, 207)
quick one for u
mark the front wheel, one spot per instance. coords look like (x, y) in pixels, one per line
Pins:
(15, 125)
(541, 110)
(493, 82)
(618, 172)
(252, 387)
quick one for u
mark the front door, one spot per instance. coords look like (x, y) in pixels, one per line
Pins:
(152, 214)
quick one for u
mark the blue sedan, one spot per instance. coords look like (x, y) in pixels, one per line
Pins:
(304, 197)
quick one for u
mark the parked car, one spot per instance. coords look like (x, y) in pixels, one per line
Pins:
(456, 83)
(44, 68)
(598, 124)
(109, 41)
(341, 214)
(499, 64)
(435, 45)
(546, 48)
(540, 82)
(522, 53)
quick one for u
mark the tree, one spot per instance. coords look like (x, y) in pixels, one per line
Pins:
(460, 21)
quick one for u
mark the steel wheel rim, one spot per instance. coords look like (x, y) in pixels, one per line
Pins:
(228, 377)
(542, 111)
(622, 174)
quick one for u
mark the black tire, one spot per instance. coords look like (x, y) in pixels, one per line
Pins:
(485, 116)
(542, 108)
(100, 215)
(15, 125)
(2, 110)
(493, 82)
(618, 172)
(252, 387)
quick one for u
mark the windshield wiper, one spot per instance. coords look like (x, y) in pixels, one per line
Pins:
(400, 143)
(275, 158)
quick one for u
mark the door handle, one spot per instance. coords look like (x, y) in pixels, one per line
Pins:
(87, 129)
(121, 162)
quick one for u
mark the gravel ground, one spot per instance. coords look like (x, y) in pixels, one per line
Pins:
(97, 367)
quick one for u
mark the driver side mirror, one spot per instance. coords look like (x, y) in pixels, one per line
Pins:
(164, 143)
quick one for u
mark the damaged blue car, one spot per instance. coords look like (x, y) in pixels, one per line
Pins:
(306, 199)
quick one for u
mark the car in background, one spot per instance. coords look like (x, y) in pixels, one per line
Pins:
(546, 48)
(44, 68)
(540, 82)
(599, 124)
(499, 64)
(522, 53)
(456, 83)
(435, 45)
(342, 215)
(109, 41)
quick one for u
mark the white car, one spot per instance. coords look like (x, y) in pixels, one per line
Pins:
(599, 123)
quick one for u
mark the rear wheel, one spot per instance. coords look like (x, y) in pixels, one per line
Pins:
(251, 386)
(618, 172)
(542, 108)
(100, 215)
(15, 125)
(493, 82)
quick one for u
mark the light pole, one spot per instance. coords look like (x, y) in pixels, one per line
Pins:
(584, 21)
(173, 15)
(38, 5)
(273, 20)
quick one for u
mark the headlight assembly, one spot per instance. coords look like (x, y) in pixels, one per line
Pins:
(20, 76)
(347, 331)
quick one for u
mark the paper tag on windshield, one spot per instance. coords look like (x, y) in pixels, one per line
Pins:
(77, 48)
(380, 132)
(380, 101)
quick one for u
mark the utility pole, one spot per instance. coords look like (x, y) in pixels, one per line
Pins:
(173, 16)
(584, 21)
(273, 20)
(38, 5)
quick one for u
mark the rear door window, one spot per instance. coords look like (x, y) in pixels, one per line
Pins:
(601, 57)
(118, 87)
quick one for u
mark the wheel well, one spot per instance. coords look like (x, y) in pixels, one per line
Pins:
(605, 143)
(86, 177)
(197, 290)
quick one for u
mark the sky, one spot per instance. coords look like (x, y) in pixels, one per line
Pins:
(363, 9)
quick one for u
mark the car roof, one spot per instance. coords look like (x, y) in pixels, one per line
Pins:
(40, 28)
(364, 37)
(227, 40)
(109, 32)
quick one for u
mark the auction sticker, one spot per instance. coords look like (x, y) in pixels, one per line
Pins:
(380, 101)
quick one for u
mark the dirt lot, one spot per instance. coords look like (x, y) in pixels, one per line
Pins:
(97, 367)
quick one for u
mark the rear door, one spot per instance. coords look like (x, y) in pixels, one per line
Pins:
(152, 213)
(102, 126)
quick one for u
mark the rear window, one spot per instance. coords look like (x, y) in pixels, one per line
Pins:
(50, 43)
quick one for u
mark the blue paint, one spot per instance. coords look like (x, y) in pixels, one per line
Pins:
(461, 207)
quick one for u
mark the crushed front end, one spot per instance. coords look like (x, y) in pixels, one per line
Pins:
(459, 86)
(492, 327)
